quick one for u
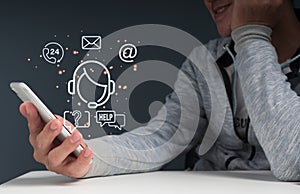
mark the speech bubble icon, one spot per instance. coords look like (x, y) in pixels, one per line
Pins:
(81, 120)
(105, 117)
(77, 115)
(120, 122)
(67, 117)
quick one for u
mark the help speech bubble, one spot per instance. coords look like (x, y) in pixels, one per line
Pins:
(105, 117)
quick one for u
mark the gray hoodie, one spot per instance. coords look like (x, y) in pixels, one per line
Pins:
(264, 96)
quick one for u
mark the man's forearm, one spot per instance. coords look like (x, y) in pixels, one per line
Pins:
(272, 105)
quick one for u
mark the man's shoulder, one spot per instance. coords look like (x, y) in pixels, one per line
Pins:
(215, 47)
(205, 55)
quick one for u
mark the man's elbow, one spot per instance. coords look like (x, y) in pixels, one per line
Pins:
(287, 172)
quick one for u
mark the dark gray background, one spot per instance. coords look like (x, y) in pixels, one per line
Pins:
(27, 25)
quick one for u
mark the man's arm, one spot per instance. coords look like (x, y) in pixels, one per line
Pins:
(272, 105)
(167, 135)
(143, 149)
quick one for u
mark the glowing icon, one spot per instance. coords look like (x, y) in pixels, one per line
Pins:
(104, 117)
(78, 119)
(120, 122)
(127, 53)
(53, 52)
(111, 118)
(91, 42)
(84, 81)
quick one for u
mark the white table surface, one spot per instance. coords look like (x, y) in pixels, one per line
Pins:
(173, 182)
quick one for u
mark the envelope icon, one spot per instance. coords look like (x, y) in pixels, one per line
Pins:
(91, 42)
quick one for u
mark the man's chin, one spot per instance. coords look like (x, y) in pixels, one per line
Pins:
(224, 32)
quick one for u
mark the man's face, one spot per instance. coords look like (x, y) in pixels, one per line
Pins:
(221, 12)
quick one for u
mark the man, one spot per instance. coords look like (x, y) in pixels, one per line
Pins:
(261, 128)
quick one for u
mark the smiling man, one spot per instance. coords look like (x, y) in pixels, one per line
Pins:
(261, 128)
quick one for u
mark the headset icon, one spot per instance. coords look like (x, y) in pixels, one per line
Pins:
(109, 87)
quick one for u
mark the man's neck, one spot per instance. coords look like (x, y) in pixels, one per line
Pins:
(286, 36)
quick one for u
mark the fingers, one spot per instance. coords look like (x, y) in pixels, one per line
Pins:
(60, 153)
(82, 164)
(266, 12)
(35, 123)
(65, 121)
(68, 123)
(44, 141)
(56, 156)
(60, 161)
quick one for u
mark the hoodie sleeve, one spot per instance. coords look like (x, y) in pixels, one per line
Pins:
(271, 103)
(167, 135)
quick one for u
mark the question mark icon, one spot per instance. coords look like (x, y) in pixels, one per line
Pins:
(77, 115)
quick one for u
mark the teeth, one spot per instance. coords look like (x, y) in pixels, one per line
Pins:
(220, 10)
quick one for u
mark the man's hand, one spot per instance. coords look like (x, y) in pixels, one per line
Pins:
(259, 12)
(55, 155)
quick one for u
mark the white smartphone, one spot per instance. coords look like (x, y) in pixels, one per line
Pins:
(27, 95)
